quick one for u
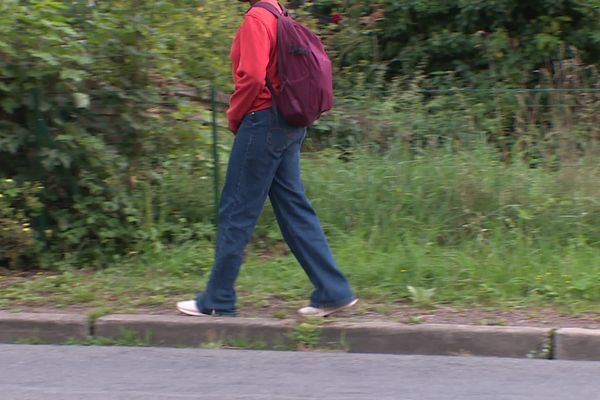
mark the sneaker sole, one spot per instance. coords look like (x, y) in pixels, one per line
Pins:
(340, 308)
(330, 311)
(190, 312)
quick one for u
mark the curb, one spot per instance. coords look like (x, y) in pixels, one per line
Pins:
(577, 344)
(393, 338)
(167, 330)
(42, 328)
(257, 333)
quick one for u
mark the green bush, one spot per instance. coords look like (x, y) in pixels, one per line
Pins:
(431, 72)
(19, 207)
(482, 43)
(94, 97)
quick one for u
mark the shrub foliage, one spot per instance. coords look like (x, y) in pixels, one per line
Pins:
(87, 111)
(100, 123)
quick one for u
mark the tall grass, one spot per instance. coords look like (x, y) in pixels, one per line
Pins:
(448, 197)
(490, 200)
(478, 230)
(474, 227)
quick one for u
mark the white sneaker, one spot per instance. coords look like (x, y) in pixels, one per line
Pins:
(189, 307)
(324, 311)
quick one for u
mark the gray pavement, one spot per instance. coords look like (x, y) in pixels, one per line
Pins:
(94, 373)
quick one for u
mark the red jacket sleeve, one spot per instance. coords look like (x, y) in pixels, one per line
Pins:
(250, 74)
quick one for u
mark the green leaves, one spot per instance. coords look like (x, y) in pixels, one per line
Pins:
(86, 108)
(19, 205)
(421, 296)
(9, 105)
(49, 58)
(72, 75)
(468, 38)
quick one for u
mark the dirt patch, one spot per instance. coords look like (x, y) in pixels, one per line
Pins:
(535, 317)
(9, 278)
(407, 314)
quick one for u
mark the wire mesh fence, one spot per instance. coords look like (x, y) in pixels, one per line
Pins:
(545, 127)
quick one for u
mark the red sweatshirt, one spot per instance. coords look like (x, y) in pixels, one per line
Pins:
(253, 58)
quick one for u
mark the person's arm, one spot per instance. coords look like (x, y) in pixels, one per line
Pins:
(255, 49)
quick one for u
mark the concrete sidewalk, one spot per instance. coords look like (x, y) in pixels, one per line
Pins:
(257, 333)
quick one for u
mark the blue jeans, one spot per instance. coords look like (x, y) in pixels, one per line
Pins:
(265, 160)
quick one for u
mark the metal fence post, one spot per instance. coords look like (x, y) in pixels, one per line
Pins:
(43, 139)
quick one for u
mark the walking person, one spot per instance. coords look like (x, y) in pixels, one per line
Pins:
(265, 161)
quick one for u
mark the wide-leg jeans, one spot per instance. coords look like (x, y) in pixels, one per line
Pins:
(265, 161)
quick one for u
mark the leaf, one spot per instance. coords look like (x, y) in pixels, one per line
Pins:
(81, 100)
(72, 74)
(524, 215)
(9, 105)
(48, 57)
(420, 295)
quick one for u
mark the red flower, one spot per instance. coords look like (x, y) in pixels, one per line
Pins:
(336, 18)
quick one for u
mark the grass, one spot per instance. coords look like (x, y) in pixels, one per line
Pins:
(462, 276)
(459, 228)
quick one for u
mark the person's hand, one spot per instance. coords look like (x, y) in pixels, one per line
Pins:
(233, 127)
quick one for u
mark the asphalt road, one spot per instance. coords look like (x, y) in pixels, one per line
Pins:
(107, 373)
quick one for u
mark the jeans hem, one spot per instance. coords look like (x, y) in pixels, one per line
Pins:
(213, 311)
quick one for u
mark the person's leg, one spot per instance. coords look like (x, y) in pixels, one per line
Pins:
(249, 174)
(304, 235)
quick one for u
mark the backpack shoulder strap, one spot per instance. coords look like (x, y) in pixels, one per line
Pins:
(271, 8)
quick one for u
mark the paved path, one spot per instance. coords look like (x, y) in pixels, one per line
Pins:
(101, 373)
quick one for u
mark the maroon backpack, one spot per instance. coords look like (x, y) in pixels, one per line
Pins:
(305, 78)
